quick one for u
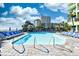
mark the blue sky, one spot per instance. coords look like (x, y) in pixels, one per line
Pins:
(43, 11)
(17, 12)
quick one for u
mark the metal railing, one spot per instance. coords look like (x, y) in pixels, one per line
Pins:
(61, 47)
(21, 52)
(46, 50)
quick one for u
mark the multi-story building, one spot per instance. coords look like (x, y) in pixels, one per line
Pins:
(73, 21)
(37, 22)
(46, 21)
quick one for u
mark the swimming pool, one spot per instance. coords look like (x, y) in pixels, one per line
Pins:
(44, 38)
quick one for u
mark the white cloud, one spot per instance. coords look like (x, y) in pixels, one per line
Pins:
(42, 6)
(59, 19)
(35, 17)
(30, 10)
(5, 13)
(20, 19)
(11, 22)
(16, 22)
(24, 14)
(16, 10)
(57, 6)
(32, 18)
(23, 11)
(2, 5)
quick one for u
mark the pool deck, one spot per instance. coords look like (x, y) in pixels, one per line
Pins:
(56, 50)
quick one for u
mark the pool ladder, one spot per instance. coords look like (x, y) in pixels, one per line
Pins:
(46, 50)
(21, 52)
(61, 47)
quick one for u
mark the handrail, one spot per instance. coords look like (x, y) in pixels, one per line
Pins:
(54, 42)
(18, 50)
(49, 41)
(47, 51)
(63, 48)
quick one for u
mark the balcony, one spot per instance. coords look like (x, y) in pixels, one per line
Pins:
(71, 4)
(72, 7)
(75, 23)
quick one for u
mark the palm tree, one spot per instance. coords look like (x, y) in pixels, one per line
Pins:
(72, 15)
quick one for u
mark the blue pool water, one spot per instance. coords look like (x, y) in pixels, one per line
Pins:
(44, 38)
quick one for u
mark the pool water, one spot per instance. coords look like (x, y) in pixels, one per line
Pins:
(44, 38)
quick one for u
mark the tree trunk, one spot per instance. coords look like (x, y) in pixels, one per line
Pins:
(72, 23)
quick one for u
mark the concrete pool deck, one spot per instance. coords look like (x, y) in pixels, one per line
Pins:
(7, 49)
